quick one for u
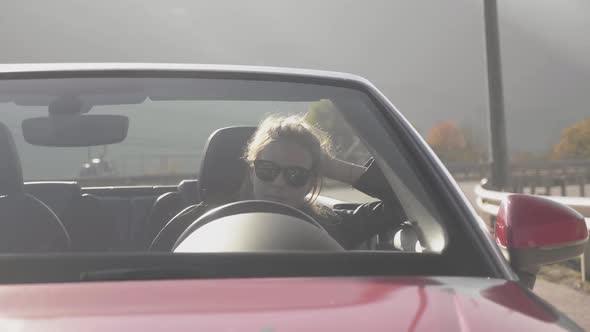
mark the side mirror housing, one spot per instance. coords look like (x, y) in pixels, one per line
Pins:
(533, 231)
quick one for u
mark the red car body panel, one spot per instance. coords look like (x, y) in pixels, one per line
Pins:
(285, 304)
(541, 222)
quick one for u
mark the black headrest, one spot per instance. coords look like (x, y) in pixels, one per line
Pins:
(189, 191)
(11, 174)
(222, 168)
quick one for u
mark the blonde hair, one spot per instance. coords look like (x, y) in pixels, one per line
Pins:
(292, 128)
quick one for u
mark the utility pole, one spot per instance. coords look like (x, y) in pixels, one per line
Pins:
(499, 149)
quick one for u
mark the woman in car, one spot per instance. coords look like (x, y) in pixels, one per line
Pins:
(288, 159)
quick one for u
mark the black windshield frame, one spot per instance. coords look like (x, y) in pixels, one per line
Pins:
(467, 242)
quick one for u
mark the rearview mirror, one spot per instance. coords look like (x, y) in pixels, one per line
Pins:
(75, 130)
(533, 231)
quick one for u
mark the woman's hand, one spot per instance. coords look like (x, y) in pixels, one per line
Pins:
(340, 170)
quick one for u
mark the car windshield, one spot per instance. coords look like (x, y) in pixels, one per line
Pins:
(203, 163)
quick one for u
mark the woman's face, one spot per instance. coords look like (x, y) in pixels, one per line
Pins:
(282, 173)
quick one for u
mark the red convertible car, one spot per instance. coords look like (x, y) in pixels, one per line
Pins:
(149, 197)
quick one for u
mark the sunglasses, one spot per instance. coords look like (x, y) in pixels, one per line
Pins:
(268, 171)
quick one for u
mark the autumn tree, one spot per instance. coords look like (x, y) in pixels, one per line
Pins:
(574, 142)
(451, 143)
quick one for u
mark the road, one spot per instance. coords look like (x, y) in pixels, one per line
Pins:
(574, 304)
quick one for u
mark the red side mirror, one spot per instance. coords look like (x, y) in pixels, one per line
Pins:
(534, 231)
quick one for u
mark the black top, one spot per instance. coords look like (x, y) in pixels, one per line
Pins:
(349, 227)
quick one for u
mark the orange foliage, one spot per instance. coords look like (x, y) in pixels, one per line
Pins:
(574, 143)
(450, 144)
(446, 135)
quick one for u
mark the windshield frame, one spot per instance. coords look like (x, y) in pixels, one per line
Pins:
(452, 204)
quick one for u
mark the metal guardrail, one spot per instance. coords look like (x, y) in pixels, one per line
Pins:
(529, 172)
(488, 203)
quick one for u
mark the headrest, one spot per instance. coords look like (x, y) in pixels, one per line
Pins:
(189, 191)
(11, 175)
(222, 168)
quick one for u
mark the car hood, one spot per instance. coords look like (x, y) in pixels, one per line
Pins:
(281, 304)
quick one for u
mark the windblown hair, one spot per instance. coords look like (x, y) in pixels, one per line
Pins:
(294, 129)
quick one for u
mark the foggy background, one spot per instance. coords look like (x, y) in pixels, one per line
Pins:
(428, 57)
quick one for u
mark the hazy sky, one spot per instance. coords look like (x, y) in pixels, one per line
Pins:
(426, 56)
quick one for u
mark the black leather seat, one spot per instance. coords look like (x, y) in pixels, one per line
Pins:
(221, 176)
(58, 195)
(86, 222)
(83, 216)
(93, 228)
(27, 225)
(166, 206)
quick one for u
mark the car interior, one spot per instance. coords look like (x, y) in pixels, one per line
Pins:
(122, 218)
(100, 215)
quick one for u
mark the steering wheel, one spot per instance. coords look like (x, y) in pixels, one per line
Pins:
(245, 207)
